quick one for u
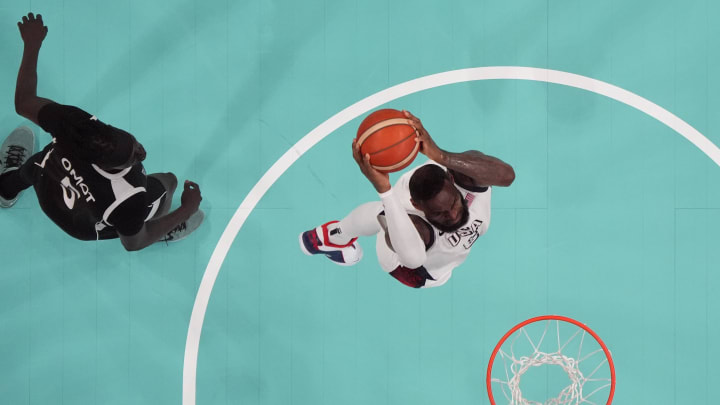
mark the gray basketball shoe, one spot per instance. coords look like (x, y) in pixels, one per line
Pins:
(16, 149)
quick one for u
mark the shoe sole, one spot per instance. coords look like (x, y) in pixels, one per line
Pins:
(302, 245)
(304, 250)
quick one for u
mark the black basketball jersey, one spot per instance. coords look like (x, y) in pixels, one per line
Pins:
(84, 200)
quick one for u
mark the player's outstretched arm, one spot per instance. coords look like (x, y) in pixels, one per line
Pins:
(472, 168)
(406, 241)
(27, 103)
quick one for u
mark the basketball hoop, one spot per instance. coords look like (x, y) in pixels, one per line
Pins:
(553, 342)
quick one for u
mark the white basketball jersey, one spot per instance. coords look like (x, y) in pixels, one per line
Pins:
(449, 249)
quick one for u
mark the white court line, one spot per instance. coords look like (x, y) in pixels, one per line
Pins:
(192, 343)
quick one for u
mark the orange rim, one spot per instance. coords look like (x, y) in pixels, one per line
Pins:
(550, 318)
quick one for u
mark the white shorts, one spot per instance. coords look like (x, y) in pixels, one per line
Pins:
(390, 261)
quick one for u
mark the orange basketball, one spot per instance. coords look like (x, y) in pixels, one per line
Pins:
(389, 139)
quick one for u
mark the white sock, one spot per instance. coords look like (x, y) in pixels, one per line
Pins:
(362, 221)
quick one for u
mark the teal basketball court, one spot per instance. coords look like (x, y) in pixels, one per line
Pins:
(613, 219)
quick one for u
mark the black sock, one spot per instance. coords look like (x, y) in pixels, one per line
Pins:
(11, 184)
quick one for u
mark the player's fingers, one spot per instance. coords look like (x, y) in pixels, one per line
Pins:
(356, 153)
(411, 117)
(366, 161)
(39, 17)
(191, 185)
(414, 126)
(418, 130)
(356, 147)
(417, 126)
(25, 19)
(31, 16)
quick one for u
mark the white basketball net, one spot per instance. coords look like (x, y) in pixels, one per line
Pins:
(574, 393)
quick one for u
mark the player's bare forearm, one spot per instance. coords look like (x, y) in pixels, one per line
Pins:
(482, 169)
(27, 103)
(27, 76)
(155, 229)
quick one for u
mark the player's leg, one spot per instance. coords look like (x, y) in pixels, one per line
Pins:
(362, 221)
(390, 263)
(17, 166)
(338, 239)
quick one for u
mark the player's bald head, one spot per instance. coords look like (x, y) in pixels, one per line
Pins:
(433, 192)
(426, 182)
(105, 145)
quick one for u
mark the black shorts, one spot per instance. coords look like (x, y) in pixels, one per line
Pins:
(156, 195)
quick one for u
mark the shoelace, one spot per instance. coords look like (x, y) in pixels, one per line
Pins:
(15, 156)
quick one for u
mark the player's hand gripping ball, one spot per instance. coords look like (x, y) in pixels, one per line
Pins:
(389, 139)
